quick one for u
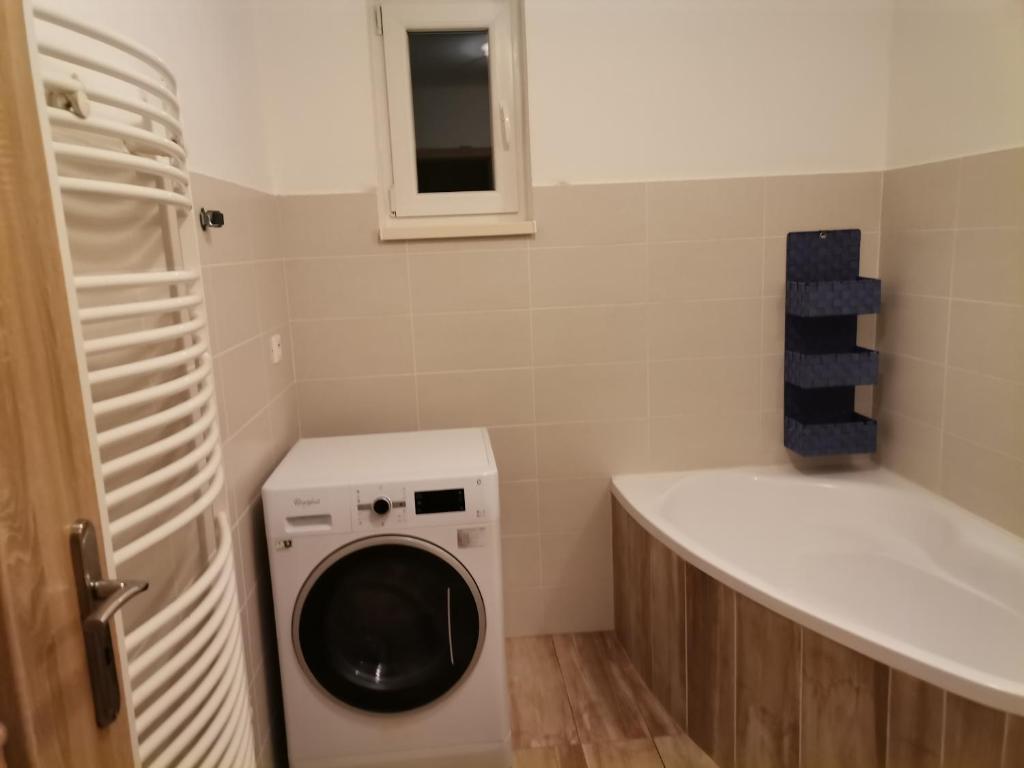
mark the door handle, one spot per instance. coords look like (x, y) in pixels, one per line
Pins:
(98, 600)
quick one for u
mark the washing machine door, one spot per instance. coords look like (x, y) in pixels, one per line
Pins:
(389, 623)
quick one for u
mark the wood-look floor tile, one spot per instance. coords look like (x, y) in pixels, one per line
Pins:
(767, 688)
(681, 752)
(636, 753)
(667, 614)
(541, 715)
(599, 690)
(1013, 757)
(915, 722)
(710, 666)
(551, 757)
(843, 711)
(974, 735)
(657, 719)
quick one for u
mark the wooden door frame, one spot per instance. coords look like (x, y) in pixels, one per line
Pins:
(46, 474)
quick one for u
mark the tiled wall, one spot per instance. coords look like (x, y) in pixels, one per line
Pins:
(243, 277)
(951, 391)
(640, 330)
(754, 688)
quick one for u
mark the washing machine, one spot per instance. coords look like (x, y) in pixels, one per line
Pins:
(385, 559)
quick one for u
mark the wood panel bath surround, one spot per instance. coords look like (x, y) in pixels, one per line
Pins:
(762, 691)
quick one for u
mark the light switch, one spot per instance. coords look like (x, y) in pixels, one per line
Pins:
(276, 350)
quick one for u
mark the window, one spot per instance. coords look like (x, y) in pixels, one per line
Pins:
(450, 105)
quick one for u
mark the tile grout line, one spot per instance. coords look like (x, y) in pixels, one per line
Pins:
(945, 354)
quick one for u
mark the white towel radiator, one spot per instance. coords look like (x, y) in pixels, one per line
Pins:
(118, 165)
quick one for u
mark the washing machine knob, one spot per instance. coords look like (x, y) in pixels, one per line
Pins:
(382, 505)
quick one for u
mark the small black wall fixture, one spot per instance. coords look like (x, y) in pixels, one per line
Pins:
(210, 219)
(824, 295)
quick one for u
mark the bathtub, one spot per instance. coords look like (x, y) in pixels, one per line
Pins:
(863, 558)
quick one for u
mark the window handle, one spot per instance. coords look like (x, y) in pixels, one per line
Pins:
(506, 126)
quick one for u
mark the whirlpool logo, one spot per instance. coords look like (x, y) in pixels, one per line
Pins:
(309, 501)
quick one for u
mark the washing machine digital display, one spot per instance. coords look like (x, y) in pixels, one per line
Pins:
(389, 623)
(432, 502)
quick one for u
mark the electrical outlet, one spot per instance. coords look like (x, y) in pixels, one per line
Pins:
(276, 350)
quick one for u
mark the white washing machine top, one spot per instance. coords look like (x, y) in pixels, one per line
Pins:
(399, 456)
(381, 483)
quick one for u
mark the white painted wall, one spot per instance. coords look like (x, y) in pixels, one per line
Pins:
(619, 90)
(210, 45)
(676, 89)
(957, 79)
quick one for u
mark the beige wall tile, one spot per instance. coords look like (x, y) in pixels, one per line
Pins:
(591, 392)
(519, 508)
(917, 261)
(264, 225)
(825, 201)
(455, 244)
(280, 375)
(233, 301)
(242, 375)
(590, 214)
(283, 417)
(987, 338)
(773, 325)
(911, 387)
(520, 560)
(985, 411)
(595, 449)
(578, 557)
(475, 398)
(992, 190)
(609, 274)
(248, 462)
(347, 287)
(914, 326)
(910, 448)
(572, 609)
(469, 280)
(921, 197)
(273, 294)
(708, 269)
(589, 335)
(705, 209)
(568, 504)
(705, 439)
(705, 328)
(346, 347)
(331, 225)
(989, 265)
(472, 340)
(772, 380)
(712, 384)
(989, 483)
(233, 242)
(357, 406)
(515, 450)
(524, 613)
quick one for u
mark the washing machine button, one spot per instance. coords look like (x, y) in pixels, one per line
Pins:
(381, 505)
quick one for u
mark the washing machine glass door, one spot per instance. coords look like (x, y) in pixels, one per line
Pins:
(389, 623)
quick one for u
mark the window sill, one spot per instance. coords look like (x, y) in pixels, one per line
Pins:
(422, 231)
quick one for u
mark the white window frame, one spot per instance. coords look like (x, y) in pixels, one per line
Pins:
(406, 212)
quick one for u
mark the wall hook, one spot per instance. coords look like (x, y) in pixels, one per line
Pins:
(210, 219)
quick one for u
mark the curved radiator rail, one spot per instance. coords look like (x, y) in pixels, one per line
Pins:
(115, 133)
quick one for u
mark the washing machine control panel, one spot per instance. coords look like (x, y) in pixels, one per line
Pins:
(412, 505)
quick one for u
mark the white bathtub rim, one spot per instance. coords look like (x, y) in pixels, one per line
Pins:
(968, 682)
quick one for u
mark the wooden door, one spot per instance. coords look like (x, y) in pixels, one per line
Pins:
(46, 475)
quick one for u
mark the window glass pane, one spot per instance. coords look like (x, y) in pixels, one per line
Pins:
(451, 100)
